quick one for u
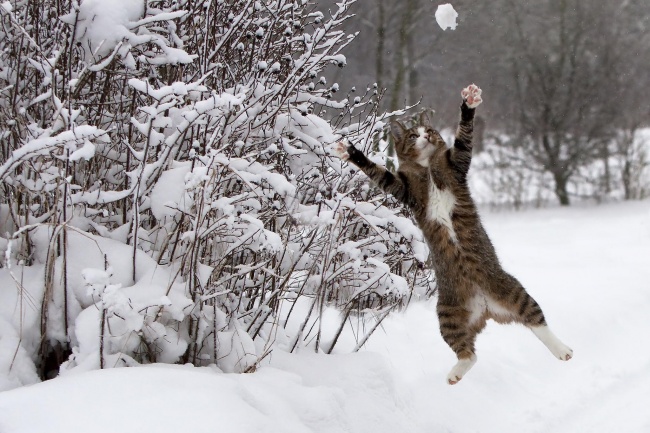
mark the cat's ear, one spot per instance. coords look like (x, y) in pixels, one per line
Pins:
(425, 117)
(397, 130)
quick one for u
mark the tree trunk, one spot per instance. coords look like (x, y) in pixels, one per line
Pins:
(561, 192)
(379, 53)
(412, 82)
(626, 179)
(607, 181)
(401, 63)
(381, 43)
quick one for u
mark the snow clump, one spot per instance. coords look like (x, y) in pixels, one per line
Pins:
(446, 16)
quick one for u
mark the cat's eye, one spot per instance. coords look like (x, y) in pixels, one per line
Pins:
(413, 136)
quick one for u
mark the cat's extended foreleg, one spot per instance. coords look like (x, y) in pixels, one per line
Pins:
(461, 154)
(471, 99)
(395, 185)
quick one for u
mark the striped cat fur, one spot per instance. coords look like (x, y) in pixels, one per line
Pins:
(472, 285)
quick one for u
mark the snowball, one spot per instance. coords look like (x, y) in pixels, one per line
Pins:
(446, 16)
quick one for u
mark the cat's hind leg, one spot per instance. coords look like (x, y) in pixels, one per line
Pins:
(458, 371)
(460, 335)
(528, 312)
(560, 350)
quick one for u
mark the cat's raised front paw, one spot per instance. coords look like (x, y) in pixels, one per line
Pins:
(340, 149)
(472, 95)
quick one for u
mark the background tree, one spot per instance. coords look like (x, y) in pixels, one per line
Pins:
(536, 60)
(563, 61)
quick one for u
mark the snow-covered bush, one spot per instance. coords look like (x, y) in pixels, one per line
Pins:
(168, 195)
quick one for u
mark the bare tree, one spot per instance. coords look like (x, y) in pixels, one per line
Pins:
(564, 57)
(631, 77)
(561, 75)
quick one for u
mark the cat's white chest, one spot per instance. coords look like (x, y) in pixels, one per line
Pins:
(440, 208)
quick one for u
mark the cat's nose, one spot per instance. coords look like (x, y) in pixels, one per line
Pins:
(426, 136)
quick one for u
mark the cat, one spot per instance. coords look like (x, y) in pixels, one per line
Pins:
(472, 286)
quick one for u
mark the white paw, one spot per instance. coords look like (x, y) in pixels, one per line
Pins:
(340, 149)
(562, 351)
(459, 370)
(472, 95)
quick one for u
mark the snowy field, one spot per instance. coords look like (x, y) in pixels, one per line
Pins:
(588, 267)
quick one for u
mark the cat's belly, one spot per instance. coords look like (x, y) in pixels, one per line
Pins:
(482, 307)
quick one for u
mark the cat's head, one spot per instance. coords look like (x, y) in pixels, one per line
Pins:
(417, 143)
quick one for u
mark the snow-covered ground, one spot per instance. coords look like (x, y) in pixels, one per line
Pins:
(588, 267)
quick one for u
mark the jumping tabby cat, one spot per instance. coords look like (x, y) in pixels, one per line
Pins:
(472, 286)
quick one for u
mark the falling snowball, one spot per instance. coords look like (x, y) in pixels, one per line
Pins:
(446, 16)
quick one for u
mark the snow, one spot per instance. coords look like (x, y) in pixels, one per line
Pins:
(43, 145)
(239, 349)
(87, 151)
(229, 253)
(102, 25)
(16, 366)
(108, 28)
(169, 196)
(587, 266)
(446, 16)
(138, 399)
